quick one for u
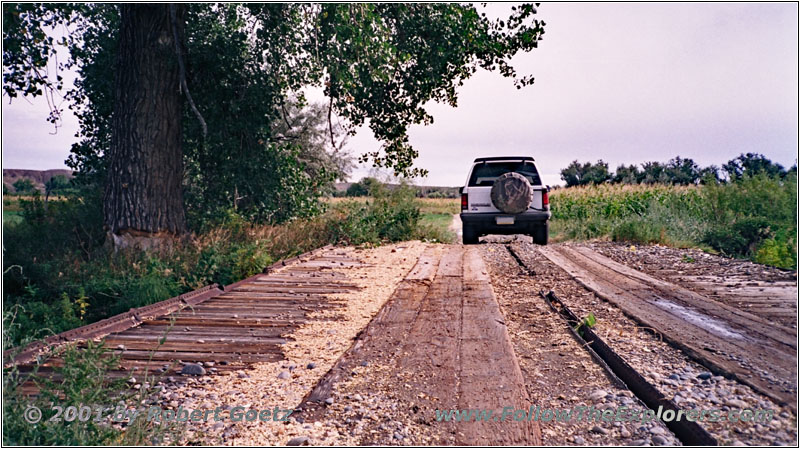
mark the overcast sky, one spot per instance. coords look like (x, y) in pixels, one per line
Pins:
(622, 82)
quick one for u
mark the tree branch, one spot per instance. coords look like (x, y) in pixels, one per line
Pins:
(330, 123)
(285, 114)
(173, 15)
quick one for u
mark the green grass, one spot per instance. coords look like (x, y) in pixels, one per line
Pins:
(60, 274)
(440, 224)
(12, 217)
(752, 218)
(12, 212)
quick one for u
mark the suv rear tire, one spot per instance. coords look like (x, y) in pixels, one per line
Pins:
(469, 235)
(541, 233)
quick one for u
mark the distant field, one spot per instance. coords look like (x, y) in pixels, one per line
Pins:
(447, 206)
(11, 209)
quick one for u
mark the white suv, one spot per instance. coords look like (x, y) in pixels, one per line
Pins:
(504, 195)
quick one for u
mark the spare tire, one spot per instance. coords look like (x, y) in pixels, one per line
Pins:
(511, 193)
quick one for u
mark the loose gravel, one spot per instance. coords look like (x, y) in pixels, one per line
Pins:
(559, 373)
(312, 351)
(687, 383)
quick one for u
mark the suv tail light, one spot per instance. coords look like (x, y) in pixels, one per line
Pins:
(545, 199)
(463, 201)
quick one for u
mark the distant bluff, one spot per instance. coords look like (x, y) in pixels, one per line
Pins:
(39, 177)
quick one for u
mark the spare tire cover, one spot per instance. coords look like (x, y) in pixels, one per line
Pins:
(511, 193)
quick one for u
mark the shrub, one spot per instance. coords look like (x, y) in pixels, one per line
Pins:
(390, 215)
(776, 253)
(24, 185)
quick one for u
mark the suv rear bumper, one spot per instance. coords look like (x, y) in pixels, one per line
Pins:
(486, 223)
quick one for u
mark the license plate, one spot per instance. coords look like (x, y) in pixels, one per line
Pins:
(504, 220)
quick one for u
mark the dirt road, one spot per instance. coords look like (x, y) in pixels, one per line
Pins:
(467, 330)
(440, 343)
(382, 346)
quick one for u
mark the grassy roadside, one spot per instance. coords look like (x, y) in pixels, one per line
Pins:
(753, 218)
(58, 275)
(437, 214)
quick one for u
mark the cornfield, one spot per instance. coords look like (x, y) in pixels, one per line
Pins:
(755, 217)
(615, 201)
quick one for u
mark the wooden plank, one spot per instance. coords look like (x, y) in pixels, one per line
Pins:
(725, 347)
(187, 356)
(208, 342)
(211, 330)
(426, 266)
(746, 320)
(485, 343)
(451, 262)
(474, 268)
(232, 322)
(252, 287)
(387, 329)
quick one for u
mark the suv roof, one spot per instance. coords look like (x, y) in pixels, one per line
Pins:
(504, 158)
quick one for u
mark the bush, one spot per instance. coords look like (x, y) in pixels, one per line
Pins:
(388, 216)
(778, 254)
(739, 239)
(24, 185)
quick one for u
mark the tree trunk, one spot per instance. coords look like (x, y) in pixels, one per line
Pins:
(143, 201)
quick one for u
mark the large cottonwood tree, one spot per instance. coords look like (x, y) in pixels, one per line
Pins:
(379, 65)
(143, 198)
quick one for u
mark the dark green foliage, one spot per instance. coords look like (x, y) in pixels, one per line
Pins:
(224, 263)
(409, 54)
(27, 48)
(389, 215)
(755, 217)
(682, 171)
(577, 174)
(654, 172)
(677, 171)
(24, 185)
(357, 189)
(71, 225)
(751, 164)
(379, 62)
(739, 239)
(57, 183)
(365, 187)
(710, 175)
(627, 175)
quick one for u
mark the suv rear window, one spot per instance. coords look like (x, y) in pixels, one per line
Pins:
(484, 174)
